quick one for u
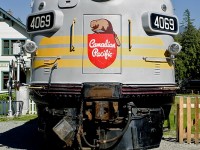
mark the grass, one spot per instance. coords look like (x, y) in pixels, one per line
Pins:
(173, 117)
(18, 118)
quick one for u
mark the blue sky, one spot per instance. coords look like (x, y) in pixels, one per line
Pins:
(194, 7)
(21, 8)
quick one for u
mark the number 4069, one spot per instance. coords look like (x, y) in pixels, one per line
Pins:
(164, 23)
(40, 22)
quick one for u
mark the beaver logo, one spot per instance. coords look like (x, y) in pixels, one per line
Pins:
(104, 26)
(102, 45)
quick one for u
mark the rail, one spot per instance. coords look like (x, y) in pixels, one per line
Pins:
(4, 106)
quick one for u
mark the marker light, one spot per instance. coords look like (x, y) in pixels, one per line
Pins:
(174, 48)
(30, 46)
(164, 7)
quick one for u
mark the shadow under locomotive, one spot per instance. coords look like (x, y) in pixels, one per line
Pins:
(25, 136)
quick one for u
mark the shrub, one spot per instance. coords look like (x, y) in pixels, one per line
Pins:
(5, 96)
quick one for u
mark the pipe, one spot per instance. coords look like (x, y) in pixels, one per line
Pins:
(109, 140)
(125, 129)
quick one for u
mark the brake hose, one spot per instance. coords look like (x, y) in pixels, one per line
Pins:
(109, 140)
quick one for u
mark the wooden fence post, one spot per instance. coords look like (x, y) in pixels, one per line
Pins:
(181, 117)
(196, 136)
(177, 122)
(189, 125)
(182, 132)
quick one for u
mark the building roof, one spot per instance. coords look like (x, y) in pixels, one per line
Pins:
(5, 15)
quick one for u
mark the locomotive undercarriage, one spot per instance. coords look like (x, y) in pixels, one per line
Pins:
(103, 115)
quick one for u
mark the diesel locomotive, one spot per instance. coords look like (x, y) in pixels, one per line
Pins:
(102, 71)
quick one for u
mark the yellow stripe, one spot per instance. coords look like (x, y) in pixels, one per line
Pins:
(68, 63)
(77, 63)
(79, 51)
(144, 52)
(60, 40)
(87, 64)
(130, 64)
(59, 52)
(143, 40)
(143, 64)
(79, 39)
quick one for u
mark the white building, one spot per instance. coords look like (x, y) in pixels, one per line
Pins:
(11, 30)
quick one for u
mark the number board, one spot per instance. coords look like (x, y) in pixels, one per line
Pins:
(164, 23)
(44, 22)
(159, 23)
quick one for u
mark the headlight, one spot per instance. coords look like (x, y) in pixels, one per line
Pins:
(30, 46)
(174, 48)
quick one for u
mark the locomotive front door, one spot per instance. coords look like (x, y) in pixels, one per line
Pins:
(102, 44)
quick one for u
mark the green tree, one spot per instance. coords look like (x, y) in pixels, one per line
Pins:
(188, 63)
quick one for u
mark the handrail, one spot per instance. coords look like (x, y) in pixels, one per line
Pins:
(72, 48)
(130, 33)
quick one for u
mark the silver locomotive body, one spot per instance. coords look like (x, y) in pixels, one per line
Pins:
(105, 68)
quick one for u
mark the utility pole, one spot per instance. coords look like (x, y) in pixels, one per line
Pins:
(18, 53)
(9, 86)
(18, 83)
(12, 82)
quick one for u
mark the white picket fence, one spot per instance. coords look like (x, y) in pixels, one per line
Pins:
(32, 107)
(4, 106)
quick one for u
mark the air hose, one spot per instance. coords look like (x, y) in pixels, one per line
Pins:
(109, 140)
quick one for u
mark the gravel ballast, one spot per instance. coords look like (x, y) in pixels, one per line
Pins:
(23, 135)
